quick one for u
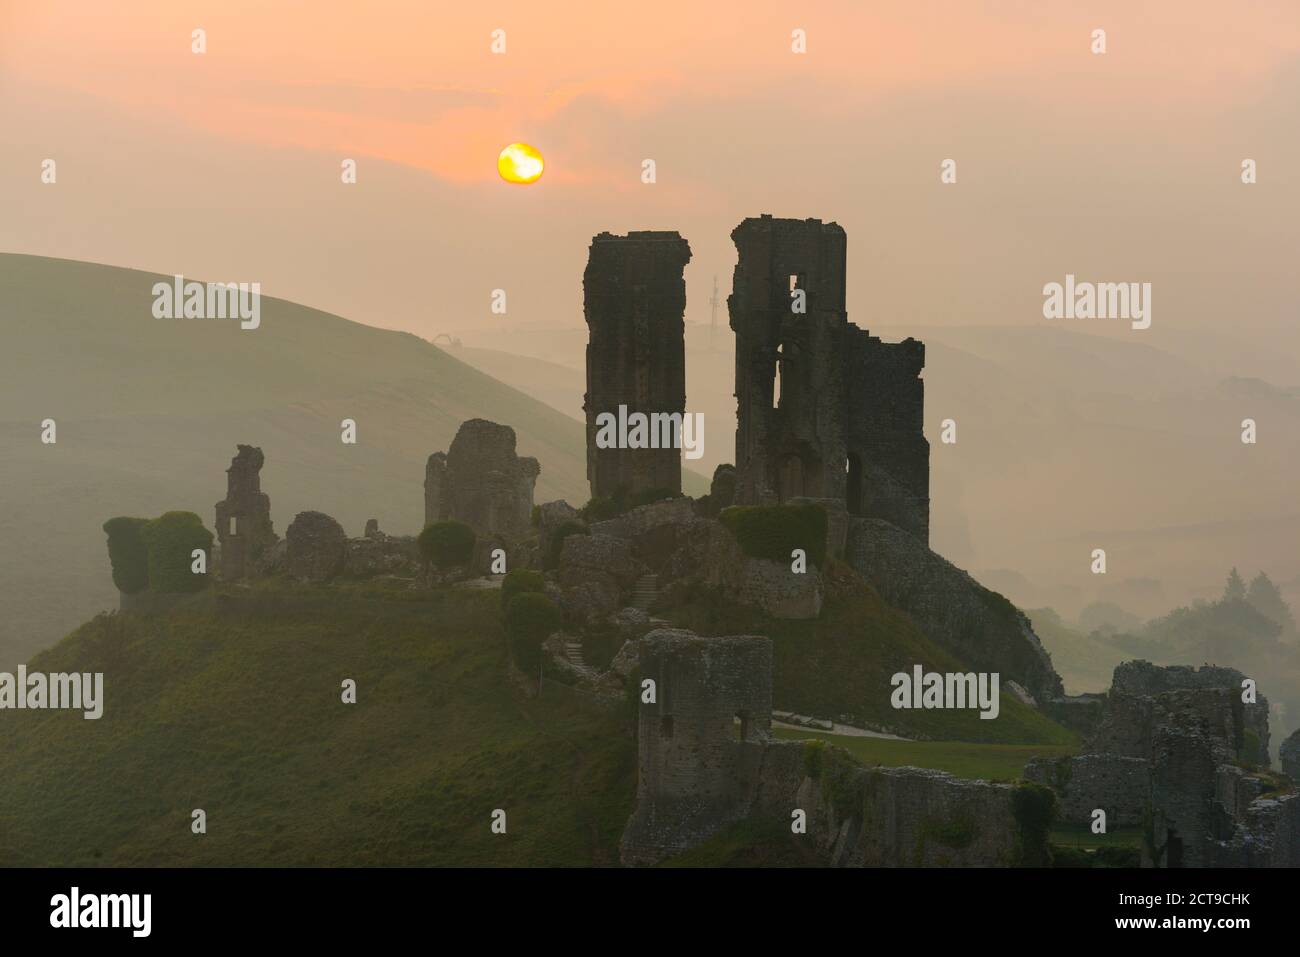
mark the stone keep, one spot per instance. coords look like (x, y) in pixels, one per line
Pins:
(824, 410)
(634, 300)
(480, 481)
(696, 765)
(244, 517)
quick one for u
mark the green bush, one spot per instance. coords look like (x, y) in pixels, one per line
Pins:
(530, 618)
(814, 756)
(774, 531)
(171, 539)
(603, 507)
(447, 544)
(557, 540)
(518, 582)
(128, 553)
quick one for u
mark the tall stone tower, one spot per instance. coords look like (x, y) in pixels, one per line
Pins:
(634, 300)
(244, 518)
(787, 310)
(824, 409)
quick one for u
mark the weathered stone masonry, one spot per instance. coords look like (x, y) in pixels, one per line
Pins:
(634, 300)
(824, 409)
(480, 481)
(695, 768)
(244, 528)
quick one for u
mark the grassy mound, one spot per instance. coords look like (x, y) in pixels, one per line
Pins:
(240, 715)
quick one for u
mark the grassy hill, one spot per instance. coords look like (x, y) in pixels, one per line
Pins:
(233, 706)
(240, 714)
(149, 412)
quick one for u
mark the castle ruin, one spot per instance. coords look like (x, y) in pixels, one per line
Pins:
(480, 481)
(634, 300)
(700, 743)
(824, 410)
(244, 528)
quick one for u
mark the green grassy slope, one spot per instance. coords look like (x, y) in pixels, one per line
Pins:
(240, 714)
(839, 666)
(149, 412)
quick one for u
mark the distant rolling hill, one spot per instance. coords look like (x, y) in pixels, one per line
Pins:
(149, 411)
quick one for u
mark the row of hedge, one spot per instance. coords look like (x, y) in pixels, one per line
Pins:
(157, 554)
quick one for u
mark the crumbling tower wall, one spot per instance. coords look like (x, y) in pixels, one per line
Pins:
(700, 743)
(888, 473)
(790, 391)
(634, 301)
(244, 527)
(823, 409)
(480, 481)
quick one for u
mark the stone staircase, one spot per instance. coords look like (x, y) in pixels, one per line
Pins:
(645, 592)
(573, 651)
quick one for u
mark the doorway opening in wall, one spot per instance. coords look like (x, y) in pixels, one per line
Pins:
(853, 486)
(776, 377)
(232, 526)
(742, 726)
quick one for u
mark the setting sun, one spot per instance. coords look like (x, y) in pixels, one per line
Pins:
(520, 163)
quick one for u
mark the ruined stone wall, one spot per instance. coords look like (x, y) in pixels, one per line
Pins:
(1267, 835)
(886, 817)
(889, 456)
(1185, 759)
(791, 445)
(634, 301)
(696, 767)
(244, 529)
(698, 771)
(1115, 783)
(1144, 695)
(1289, 755)
(481, 481)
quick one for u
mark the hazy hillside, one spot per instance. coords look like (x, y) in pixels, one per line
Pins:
(149, 412)
(1066, 442)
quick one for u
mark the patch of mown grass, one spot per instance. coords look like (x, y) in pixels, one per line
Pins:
(239, 713)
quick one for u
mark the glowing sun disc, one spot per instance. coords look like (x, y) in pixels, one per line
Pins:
(520, 163)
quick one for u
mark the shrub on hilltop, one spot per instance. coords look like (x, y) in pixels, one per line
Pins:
(128, 553)
(774, 531)
(447, 544)
(171, 539)
(530, 619)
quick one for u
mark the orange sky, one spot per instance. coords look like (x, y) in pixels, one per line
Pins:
(1122, 163)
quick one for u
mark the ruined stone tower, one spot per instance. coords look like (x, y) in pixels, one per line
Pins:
(634, 299)
(244, 517)
(480, 481)
(700, 743)
(824, 410)
(790, 396)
